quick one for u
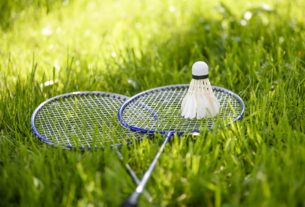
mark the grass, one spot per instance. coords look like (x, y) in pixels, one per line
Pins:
(253, 49)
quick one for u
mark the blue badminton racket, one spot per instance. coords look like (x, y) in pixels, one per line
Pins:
(159, 111)
(83, 120)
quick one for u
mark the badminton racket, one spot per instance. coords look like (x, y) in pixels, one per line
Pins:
(159, 111)
(83, 120)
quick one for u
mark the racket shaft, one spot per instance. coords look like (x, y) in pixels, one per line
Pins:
(133, 176)
(133, 199)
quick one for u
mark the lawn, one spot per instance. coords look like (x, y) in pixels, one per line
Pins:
(254, 48)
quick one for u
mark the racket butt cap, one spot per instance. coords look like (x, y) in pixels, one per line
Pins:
(128, 204)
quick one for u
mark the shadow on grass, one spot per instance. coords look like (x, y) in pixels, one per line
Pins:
(12, 11)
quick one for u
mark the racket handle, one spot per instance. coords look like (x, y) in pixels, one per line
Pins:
(128, 204)
(133, 176)
(133, 199)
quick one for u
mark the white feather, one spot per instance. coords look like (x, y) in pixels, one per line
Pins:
(200, 101)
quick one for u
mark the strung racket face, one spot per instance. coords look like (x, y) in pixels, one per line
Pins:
(82, 120)
(159, 110)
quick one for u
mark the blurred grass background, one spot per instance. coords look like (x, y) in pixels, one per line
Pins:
(254, 48)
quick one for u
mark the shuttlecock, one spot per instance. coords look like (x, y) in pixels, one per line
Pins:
(200, 101)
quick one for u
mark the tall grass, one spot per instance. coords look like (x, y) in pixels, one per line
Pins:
(253, 49)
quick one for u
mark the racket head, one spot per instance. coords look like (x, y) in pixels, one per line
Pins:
(82, 120)
(158, 110)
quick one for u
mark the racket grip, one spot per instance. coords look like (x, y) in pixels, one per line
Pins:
(128, 204)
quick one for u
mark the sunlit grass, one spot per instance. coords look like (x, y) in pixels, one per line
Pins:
(255, 49)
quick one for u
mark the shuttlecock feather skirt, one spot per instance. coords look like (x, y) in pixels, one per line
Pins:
(200, 101)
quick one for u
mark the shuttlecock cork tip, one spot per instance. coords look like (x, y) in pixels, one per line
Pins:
(200, 70)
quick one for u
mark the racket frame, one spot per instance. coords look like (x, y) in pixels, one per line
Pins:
(67, 95)
(165, 88)
(132, 201)
(70, 147)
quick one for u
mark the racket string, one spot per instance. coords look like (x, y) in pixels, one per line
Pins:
(83, 121)
(166, 107)
(113, 122)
